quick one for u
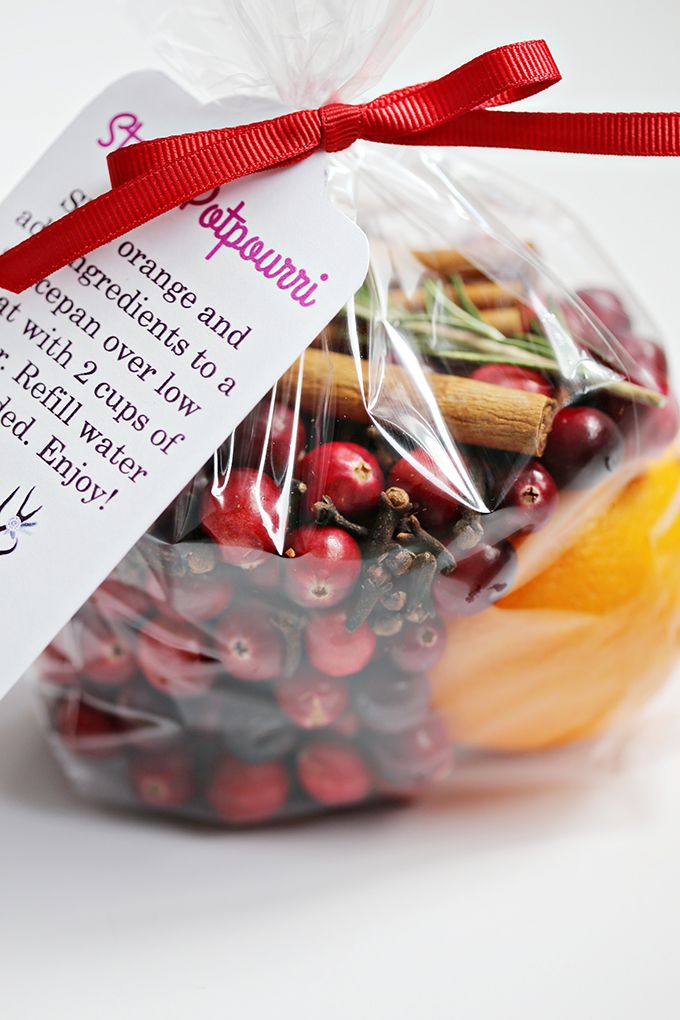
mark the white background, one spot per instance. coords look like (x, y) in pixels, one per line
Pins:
(554, 905)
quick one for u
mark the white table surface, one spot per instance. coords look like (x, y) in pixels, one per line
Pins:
(562, 904)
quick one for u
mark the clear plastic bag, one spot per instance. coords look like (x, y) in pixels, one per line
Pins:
(451, 533)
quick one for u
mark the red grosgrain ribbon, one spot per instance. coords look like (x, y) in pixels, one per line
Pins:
(151, 178)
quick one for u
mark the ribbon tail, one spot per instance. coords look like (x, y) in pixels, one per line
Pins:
(604, 134)
(103, 219)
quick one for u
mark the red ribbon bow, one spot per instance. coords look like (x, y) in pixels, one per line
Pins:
(153, 177)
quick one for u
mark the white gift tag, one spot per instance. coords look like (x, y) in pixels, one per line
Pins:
(123, 372)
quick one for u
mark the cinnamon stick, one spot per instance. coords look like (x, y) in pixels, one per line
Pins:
(507, 320)
(446, 262)
(487, 294)
(477, 413)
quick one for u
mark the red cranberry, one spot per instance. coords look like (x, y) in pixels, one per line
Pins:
(163, 779)
(334, 773)
(114, 665)
(116, 600)
(271, 437)
(325, 567)
(648, 356)
(607, 306)
(646, 430)
(87, 729)
(244, 793)
(514, 377)
(584, 447)
(312, 700)
(419, 757)
(244, 518)
(107, 659)
(479, 580)
(176, 659)
(349, 474)
(252, 725)
(436, 508)
(192, 597)
(534, 495)
(250, 645)
(389, 701)
(332, 649)
(659, 426)
(418, 647)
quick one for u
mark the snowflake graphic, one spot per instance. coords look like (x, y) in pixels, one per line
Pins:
(19, 523)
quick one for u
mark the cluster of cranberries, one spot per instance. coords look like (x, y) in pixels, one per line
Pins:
(212, 675)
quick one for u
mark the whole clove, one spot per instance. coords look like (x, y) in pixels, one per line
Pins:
(377, 584)
(399, 561)
(445, 560)
(387, 624)
(419, 606)
(394, 504)
(328, 514)
(393, 601)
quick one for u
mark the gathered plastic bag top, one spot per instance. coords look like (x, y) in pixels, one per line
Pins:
(298, 52)
(451, 531)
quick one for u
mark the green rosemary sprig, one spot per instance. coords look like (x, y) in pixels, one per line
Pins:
(462, 295)
(471, 339)
(442, 307)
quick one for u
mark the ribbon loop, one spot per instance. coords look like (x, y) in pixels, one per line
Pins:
(151, 178)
